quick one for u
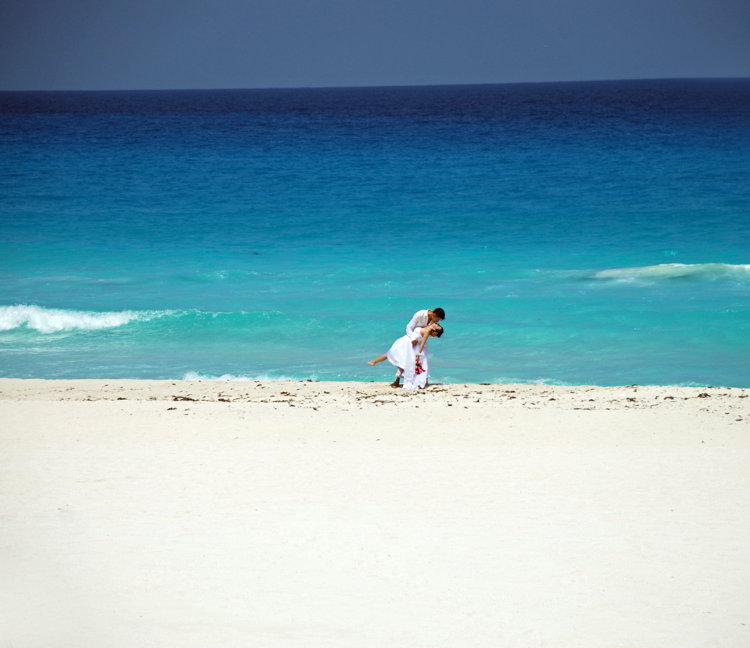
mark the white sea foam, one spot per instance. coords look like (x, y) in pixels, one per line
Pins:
(506, 380)
(194, 375)
(53, 320)
(666, 271)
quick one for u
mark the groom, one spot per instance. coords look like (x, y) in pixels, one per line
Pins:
(420, 319)
(423, 318)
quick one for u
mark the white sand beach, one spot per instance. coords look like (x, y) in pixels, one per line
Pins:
(193, 514)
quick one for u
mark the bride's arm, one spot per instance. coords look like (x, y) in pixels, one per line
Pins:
(425, 335)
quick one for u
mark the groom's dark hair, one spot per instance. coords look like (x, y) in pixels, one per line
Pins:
(439, 312)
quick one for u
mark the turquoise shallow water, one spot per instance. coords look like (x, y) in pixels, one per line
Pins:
(574, 233)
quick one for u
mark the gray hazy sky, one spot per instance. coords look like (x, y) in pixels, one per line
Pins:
(131, 44)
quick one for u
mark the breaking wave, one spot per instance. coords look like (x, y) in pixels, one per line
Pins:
(669, 271)
(53, 320)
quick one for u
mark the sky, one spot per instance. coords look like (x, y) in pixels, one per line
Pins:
(179, 44)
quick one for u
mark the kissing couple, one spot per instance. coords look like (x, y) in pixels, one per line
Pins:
(409, 352)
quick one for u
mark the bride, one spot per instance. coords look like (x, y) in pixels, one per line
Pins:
(411, 362)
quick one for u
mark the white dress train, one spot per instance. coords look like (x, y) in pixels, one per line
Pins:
(403, 354)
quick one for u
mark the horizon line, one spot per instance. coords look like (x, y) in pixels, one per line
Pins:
(383, 86)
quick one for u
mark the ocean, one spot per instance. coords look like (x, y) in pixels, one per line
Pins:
(574, 233)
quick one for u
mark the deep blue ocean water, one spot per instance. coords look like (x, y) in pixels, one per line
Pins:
(573, 232)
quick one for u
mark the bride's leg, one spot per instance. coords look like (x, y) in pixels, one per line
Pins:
(378, 359)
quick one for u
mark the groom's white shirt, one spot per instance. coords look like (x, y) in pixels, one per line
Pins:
(418, 320)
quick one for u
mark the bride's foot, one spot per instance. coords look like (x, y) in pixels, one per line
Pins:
(372, 363)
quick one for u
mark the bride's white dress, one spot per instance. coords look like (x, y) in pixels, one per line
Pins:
(403, 354)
